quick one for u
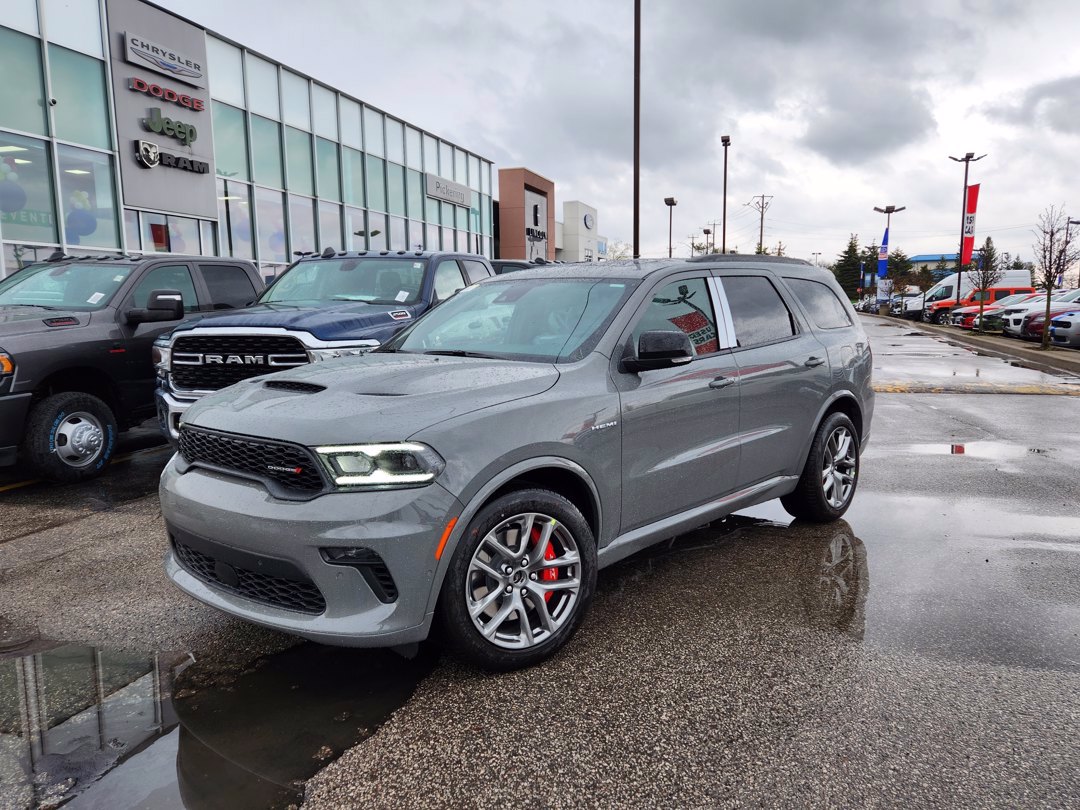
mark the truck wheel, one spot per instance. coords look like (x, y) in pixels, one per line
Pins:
(831, 474)
(520, 580)
(69, 437)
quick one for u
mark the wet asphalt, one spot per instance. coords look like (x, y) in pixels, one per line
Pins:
(924, 651)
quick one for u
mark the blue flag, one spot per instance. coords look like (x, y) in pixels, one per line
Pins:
(883, 256)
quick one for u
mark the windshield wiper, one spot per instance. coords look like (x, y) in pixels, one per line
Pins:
(463, 353)
(35, 306)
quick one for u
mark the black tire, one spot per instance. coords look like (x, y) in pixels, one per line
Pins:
(809, 500)
(47, 433)
(459, 631)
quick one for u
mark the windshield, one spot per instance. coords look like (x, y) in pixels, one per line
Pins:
(378, 280)
(540, 320)
(82, 287)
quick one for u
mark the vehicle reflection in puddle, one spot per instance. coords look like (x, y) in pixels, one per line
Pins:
(93, 728)
(817, 574)
(981, 449)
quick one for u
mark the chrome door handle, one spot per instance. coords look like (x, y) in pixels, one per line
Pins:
(814, 362)
(721, 382)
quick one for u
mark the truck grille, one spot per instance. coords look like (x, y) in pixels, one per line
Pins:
(291, 592)
(287, 467)
(210, 362)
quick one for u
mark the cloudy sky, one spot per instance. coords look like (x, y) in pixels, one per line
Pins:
(833, 106)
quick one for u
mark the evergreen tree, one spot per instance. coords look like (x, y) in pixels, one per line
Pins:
(846, 268)
(900, 265)
(941, 269)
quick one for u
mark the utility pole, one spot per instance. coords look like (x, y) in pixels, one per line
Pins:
(761, 204)
(692, 237)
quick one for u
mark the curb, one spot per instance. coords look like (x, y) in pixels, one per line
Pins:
(1054, 361)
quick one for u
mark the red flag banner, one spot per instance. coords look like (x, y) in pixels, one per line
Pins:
(969, 224)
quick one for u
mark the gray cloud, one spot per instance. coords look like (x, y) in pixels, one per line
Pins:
(1051, 105)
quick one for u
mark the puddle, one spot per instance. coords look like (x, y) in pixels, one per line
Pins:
(92, 728)
(988, 450)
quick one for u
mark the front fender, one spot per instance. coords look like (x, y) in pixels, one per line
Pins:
(480, 497)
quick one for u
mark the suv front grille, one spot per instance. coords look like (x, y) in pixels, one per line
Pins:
(210, 362)
(293, 592)
(288, 466)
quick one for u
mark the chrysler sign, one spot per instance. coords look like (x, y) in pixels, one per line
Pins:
(141, 51)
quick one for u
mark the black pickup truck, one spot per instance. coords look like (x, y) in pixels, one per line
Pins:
(75, 349)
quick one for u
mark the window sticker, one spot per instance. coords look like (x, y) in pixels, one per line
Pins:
(402, 296)
(93, 299)
(417, 265)
(117, 279)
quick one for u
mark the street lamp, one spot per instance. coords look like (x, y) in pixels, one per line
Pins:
(372, 233)
(726, 141)
(888, 211)
(1068, 222)
(815, 254)
(967, 160)
(707, 232)
(670, 202)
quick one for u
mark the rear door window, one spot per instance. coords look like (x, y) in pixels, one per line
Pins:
(826, 310)
(757, 310)
(229, 286)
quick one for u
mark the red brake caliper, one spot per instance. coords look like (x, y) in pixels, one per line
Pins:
(548, 574)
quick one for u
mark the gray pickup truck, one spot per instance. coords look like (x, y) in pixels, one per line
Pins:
(75, 349)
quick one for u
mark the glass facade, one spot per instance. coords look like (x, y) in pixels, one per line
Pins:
(299, 165)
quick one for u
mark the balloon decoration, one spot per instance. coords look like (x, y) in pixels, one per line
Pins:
(12, 195)
(81, 219)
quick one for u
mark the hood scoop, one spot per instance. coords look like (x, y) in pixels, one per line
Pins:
(63, 320)
(295, 386)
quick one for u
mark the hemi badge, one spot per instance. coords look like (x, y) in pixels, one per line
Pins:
(400, 314)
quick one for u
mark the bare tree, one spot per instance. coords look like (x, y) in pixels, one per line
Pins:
(1054, 252)
(985, 273)
(618, 249)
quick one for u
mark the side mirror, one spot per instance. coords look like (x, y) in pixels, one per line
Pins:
(660, 349)
(162, 305)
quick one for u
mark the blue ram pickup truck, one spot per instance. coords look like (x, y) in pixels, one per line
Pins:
(327, 305)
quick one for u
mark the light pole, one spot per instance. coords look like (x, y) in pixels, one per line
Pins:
(637, 131)
(815, 254)
(888, 211)
(670, 202)
(1064, 269)
(707, 232)
(967, 160)
(726, 141)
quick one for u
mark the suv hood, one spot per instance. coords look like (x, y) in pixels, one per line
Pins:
(371, 398)
(32, 320)
(343, 321)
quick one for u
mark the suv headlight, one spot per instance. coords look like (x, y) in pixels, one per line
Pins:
(352, 350)
(7, 364)
(160, 354)
(402, 464)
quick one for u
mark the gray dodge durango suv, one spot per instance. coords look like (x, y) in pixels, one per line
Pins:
(479, 468)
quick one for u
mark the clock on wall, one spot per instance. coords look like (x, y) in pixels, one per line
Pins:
(589, 221)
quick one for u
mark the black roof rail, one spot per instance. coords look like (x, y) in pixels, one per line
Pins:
(747, 257)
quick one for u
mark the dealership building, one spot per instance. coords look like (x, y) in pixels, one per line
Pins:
(125, 128)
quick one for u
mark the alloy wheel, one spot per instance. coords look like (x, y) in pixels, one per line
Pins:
(838, 467)
(523, 581)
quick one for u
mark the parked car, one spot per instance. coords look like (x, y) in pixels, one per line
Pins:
(965, 317)
(327, 305)
(1013, 317)
(75, 349)
(481, 466)
(1065, 329)
(941, 311)
(1034, 323)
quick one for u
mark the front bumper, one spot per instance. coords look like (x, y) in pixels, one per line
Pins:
(169, 411)
(13, 410)
(241, 535)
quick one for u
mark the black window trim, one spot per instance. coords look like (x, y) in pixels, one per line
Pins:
(781, 290)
